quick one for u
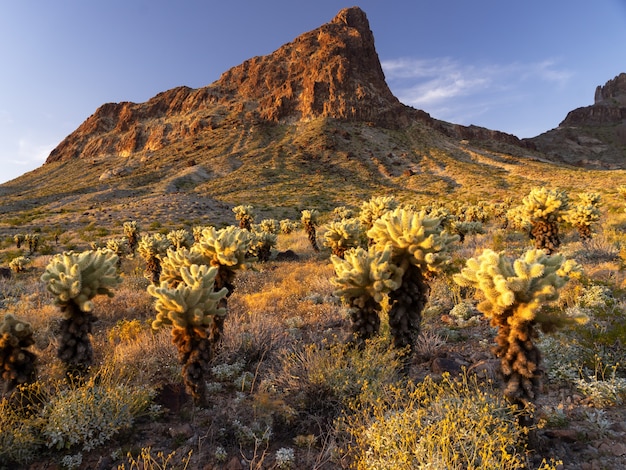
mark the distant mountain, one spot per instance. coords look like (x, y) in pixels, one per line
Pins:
(330, 72)
(593, 136)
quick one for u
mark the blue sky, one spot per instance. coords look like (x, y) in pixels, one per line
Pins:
(517, 67)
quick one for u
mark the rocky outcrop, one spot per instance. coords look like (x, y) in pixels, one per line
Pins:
(592, 136)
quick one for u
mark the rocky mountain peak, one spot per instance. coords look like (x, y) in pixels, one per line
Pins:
(333, 71)
(613, 92)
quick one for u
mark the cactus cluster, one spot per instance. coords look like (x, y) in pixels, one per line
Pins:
(17, 363)
(345, 234)
(180, 238)
(514, 292)
(543, 209)
(584, 214)
(374, 209)
(309, 222)
(19, 263)
(420, 248)
(75, 279)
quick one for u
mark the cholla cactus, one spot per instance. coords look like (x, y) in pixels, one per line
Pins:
(463, 228)
(75, 279)
(515, 291)
(287, 226)
(131, 231)
(342, 212)
(543, 209)
(343, 235)
(362, 279)
(245, 216)
(152, 248)
(269, 226)
(584, 214)
(420, 249)
(374, 209)
(180, 238)
(516, 219)
(19, 264)
(33, 242)
(19, 239)
(261, 245)
(17, 363)
(309, 222)
(119, 246)
(226, 250)
(191, 308)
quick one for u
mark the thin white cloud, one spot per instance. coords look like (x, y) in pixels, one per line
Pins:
(459, 92)
(32, 153)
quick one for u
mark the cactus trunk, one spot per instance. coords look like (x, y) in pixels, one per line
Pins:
(546, 235)
(407, 305)
(194, 354)
(75, 348)
(18, 364)
(365, 321)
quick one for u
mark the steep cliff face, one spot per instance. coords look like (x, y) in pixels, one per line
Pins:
(592, 136)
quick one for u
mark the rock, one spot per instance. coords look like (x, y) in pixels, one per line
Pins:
(439, 365)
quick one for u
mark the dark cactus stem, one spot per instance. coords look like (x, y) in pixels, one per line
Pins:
(194, 354)
(75, 349)
(245, 223)
(519, 361)
(153, 270)
(546, 235)
(18, 365)
(365, 321)
(310, 231)
(224, 278)
(407, 304)
(133, 241)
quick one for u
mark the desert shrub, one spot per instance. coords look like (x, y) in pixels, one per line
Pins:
(452, 424)
(147, 460)
(88, 415)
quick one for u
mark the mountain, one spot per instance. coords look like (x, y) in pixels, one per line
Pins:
(592, 136)
(311, 125)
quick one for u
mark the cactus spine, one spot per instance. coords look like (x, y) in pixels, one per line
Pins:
(420, 249)
(362, 279)
(17, 363)
(309, 222)
(75, 279)
(514, 292)
(191, 307)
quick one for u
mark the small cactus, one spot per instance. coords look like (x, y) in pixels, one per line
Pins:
(287, 226)
(514, 292)
(33, 242)
(309, 222)
(191, 308)
(120, 247)
(584, 214)
(245, 216)
(374, 209)
(18, 365)
(261, 245)
(75, 279)
(19, 239)
(131, 231)
(180, 238)
(151, 248)
(19, 264)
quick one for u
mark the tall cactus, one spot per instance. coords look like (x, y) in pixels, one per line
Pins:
(75, 279)
(309, 222)
(17, 363)
(514, 292)
(362, 279)
(420, 249)
(191, 308)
